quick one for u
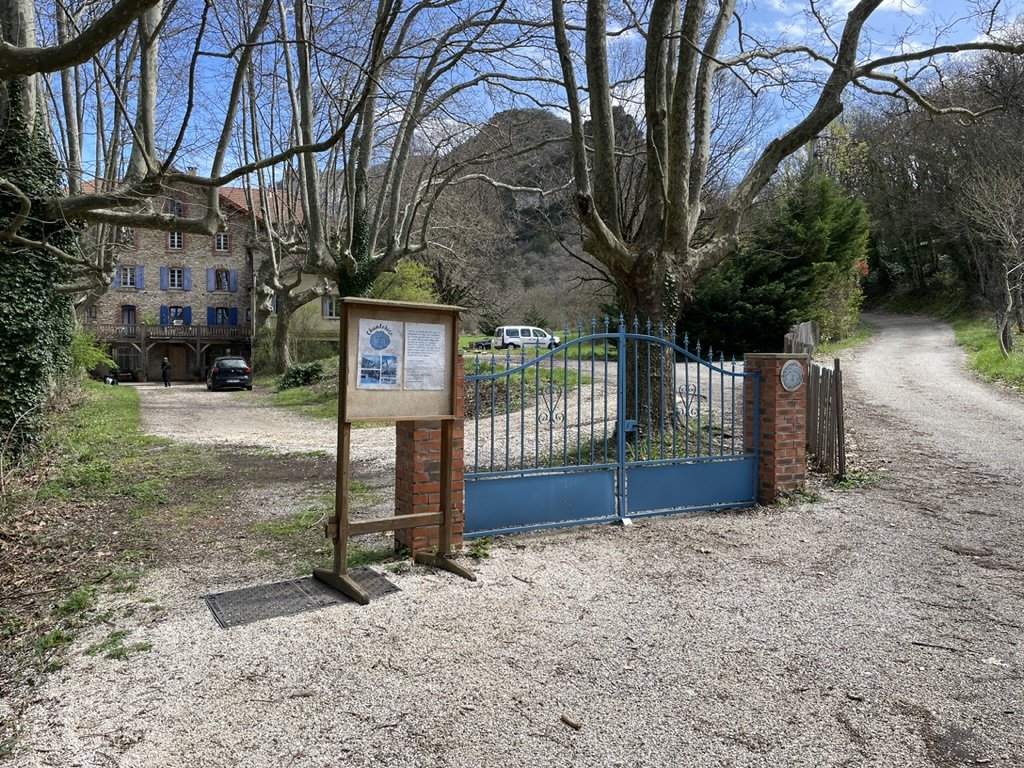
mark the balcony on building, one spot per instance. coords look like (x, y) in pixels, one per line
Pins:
(175, 331)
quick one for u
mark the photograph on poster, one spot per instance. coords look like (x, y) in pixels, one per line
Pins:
(380, 355)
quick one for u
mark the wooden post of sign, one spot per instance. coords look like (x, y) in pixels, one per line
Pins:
(338, 576)
(426, 404)
(442, 558)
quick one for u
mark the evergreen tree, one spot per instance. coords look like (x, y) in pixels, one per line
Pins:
(802, 263)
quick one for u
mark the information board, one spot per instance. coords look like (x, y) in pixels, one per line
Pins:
(397, 360)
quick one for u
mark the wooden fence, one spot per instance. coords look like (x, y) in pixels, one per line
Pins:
(826, 440)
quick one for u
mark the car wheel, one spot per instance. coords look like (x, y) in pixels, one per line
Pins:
(249, 388)
(551, 345)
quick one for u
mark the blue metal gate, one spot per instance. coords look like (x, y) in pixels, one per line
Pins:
(610, 425)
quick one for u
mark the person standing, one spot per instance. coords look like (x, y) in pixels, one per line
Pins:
(165, 371)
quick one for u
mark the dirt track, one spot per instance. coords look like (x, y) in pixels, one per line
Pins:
(880, 626)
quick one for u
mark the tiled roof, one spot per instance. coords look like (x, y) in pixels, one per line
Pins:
(235, 198)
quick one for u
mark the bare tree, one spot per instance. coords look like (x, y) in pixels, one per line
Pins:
(656, 262)
(687, 47)
(992, 198)
(945, 192)
(368, 200)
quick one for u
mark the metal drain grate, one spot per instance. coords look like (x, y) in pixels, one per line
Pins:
(285, 598)
(375, 584)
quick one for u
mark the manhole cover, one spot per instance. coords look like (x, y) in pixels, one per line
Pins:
(285, 598)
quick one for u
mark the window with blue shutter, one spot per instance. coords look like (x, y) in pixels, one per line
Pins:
(233, 281)
(165, 279)
(211, 316)
(211, 276)
(116, 282)
(188, 279)
(186, 315)
(165, 315)
(233, 316)
(139, 283)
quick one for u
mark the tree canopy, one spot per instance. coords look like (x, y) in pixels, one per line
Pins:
(803, 261)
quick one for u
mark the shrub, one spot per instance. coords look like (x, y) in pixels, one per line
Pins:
(301, 375)
(87, 353)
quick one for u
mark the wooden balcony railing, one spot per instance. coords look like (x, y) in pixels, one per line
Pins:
(113, 332)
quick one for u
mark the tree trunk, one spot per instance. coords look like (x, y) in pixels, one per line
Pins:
(18, 28)
(282, 334)
(651, 294)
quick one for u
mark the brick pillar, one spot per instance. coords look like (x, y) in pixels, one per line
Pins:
(782, 426)
(418, 474)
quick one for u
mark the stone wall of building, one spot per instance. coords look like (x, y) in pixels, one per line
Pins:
(153, 251)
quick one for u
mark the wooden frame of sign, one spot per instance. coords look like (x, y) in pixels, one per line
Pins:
(396, 363)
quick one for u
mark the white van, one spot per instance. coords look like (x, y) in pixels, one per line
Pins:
(519, 336)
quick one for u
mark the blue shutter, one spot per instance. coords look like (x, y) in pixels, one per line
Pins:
(165, 315)
(232, 281)
(165, 278)
(140, 283)
(233, 316)
(188, 279)
(186, 315)
(210, 277)
(116, 282)
(211, 316)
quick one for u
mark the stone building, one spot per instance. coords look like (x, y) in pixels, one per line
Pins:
(185, 297)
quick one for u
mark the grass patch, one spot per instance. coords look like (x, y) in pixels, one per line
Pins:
(293, 524)
(313, 516)
(319, 400)
(361, 554)
(123, 581)
(519, 389)
(53, 640)
(858, 478)
(148, 494)
(978, 338)
(861, 333)
(113, 646)
(299, 537)
(799, 496)
(79, 601)
(480, 549)
(96, 449)
(203, 500)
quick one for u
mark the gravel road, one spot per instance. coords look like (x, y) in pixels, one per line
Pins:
(881, 625)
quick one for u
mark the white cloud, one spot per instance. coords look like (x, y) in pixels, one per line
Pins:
(911, 7)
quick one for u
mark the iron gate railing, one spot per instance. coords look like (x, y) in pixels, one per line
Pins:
(609, 425)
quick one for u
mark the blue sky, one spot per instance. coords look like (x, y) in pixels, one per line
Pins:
(918, 22)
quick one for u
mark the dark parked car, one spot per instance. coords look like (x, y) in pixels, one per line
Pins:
(229, 372)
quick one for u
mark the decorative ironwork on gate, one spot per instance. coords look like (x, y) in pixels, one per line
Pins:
(612, 424)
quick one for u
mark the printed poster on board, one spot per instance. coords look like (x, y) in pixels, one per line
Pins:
(380, 354)
(424, 356)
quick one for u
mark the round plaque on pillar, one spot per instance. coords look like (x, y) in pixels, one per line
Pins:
(791, 375)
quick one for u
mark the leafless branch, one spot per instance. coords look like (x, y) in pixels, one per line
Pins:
(16, 61)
